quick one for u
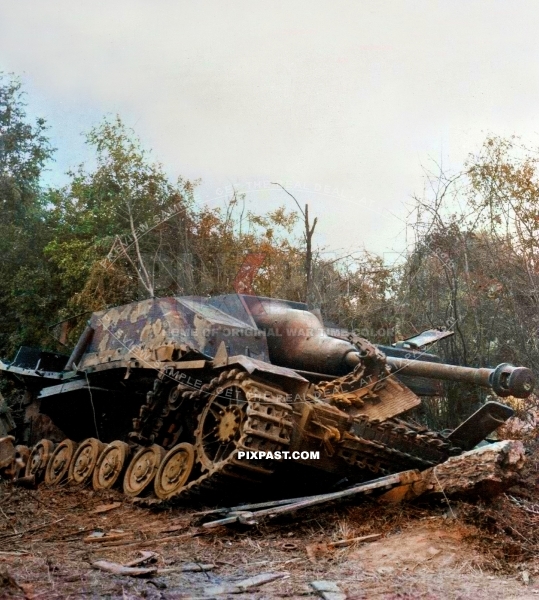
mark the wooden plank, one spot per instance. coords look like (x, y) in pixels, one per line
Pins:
(250, 517)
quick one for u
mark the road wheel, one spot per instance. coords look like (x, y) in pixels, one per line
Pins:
(58, 466)
(39, 459)
(142, 469)
(84, 461)
(110, 465)
(174, 470)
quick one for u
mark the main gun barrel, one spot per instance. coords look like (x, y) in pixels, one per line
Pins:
(505, 379)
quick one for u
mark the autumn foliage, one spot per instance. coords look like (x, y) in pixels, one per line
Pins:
(122, 230)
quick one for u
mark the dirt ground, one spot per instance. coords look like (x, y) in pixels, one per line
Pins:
(49, 540)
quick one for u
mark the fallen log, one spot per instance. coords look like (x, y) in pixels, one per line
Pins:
(483, 472)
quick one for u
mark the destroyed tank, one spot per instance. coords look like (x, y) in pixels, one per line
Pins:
(184, 398)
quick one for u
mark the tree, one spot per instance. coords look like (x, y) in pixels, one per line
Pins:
(308, 239)
(123, 232)
(110, 222)
(474, 267)
(24, 152)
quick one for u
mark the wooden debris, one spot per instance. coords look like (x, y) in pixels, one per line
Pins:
(173, 528)
(117, 569)
(134, 569)
(147, 543)
(356, 540)
(196, 567)
(187, 568)
(112, 537)
(487, 471)
(328, 590)
(146, 556)
(483, 472)
(252, 518)
(249, 507)
(105, 508)
(240, 587)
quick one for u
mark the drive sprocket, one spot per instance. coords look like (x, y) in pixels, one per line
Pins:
(256, 417)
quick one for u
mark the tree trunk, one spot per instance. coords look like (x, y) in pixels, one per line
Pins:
(483, 472)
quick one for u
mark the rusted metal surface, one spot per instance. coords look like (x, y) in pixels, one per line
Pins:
(476, 427)
(39, 458)
(505, 379)
(80, 348)
(296, 339)
(110, 465)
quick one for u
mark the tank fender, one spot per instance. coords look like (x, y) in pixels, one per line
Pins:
(290, 381)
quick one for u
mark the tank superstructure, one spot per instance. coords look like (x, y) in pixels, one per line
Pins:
(190, 396)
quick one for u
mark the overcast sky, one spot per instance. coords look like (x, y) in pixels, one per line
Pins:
(347, 100)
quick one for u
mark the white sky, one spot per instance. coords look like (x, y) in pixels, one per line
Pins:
(355, 95)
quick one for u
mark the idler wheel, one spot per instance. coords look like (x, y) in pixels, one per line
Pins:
(110, 465)
(142, 469)
(59, 462)
(174, 470)
(84, 461)
(39, 459)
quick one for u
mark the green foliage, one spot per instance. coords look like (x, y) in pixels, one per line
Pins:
(107, 208)
(24, 151)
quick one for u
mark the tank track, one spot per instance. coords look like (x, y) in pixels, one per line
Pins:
(268, 427)
(391, 446)
(382, 447)
(379, 447)
(370, 445)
